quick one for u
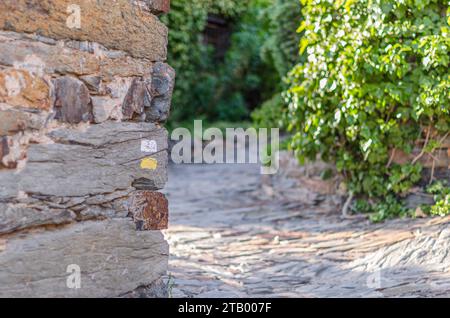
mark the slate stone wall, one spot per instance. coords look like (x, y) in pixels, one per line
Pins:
(84, 94)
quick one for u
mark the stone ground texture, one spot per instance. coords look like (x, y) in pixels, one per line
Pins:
(233, 234)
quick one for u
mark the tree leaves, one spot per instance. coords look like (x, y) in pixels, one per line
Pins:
(380, 69)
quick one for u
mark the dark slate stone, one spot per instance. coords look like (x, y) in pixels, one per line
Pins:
(72, 101)
(414, 200)
(4, 148)
(133, 104)
(162, 85)
(157, 289)
(4, 151)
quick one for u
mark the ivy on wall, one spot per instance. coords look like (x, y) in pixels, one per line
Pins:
(376, 74)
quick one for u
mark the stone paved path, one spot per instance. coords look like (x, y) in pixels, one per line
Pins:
(231, 235)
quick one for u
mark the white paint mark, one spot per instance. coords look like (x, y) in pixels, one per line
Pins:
(149, 146)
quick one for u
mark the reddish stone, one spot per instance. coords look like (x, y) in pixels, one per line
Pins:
(133, 105)
(158, 6)
(72, 100)
(150, 210)
(440, 158)
(23, 89)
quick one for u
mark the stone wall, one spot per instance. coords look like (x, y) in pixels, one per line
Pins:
(84, 92)
(436, 165)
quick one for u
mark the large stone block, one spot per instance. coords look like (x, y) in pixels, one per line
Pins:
(114, 259)
(45, 212)
(16, 217)
(115, 24)
(22, 52)
(18, 51)
(105, 158)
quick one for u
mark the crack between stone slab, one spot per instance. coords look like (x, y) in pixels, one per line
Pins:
(61, 141)
(41, 196)
(140, 158)
(53, 227)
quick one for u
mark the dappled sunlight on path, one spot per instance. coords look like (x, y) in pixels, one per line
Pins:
(229, 238)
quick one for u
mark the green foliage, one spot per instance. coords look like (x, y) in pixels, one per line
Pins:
(271, 112)
(187, 54)
(403, 177)
(442, 207)
(376, 72)
(281, 46)
(212, 89)
(244, 80)
(441, 192)
(280, 50)
(389, 207)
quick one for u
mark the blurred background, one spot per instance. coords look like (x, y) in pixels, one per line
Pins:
(231, 58)
(361, 84)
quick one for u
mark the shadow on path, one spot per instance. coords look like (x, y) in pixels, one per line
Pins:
(229, 238)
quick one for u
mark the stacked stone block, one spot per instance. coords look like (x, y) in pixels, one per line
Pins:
(84, 94)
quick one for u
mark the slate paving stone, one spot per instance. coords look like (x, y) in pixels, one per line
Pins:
(226, 243)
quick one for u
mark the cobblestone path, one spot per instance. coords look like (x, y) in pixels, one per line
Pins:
(233, 236)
